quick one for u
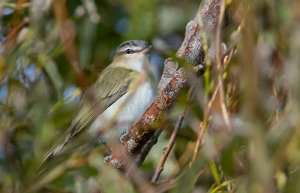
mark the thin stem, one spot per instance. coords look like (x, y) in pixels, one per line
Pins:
(67, 34)
(16, 6)
(171, 142)
(202, 127)
(219, 67)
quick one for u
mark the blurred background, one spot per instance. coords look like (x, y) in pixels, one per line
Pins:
(52, 50)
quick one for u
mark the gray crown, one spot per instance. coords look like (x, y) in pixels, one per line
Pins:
(132, 45)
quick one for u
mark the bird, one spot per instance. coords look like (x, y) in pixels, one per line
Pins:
(119, 97)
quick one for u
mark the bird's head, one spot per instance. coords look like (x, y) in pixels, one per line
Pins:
(133, 54)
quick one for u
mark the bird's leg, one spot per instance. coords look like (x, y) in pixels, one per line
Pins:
(107, 158)
(107, 149)
(115, 149)
(123, 137)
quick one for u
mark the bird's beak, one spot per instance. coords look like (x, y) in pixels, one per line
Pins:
(147, 50)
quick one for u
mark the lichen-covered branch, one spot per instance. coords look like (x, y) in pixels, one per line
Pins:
(192, 50)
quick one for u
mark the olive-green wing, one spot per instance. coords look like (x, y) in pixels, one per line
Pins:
(110, 86)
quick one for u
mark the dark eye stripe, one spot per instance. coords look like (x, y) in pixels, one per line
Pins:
(133, 45)
(131, 51)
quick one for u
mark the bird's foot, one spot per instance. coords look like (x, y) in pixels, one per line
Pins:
(110, 160)
(123, 138)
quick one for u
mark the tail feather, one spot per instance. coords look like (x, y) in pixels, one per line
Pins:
(46, 161)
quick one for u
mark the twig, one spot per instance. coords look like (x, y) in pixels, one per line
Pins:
(171, 142)
(201, 133)
(203, 127)
(67, 35)
(18, 6)
(220, 68)
(147, 147)
(137, 178)
(14, 33)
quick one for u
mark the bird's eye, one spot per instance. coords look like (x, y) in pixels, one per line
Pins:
(128, 51)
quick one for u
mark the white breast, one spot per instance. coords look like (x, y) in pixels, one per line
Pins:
(129, 108)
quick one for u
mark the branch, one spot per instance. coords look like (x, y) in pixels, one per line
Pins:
(192, 50)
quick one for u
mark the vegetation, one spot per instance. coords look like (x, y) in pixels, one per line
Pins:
(240, 128)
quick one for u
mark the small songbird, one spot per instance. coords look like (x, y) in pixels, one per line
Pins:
(120, 96)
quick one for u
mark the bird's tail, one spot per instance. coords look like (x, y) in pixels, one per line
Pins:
(47, 161)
